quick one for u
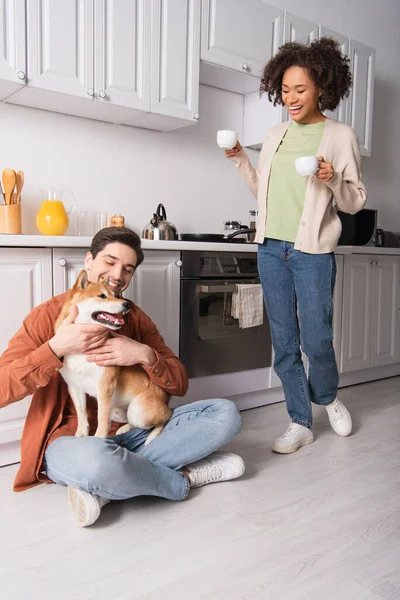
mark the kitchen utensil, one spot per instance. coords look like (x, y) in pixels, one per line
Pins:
(213, 237)
(387, 239)
(52, 217)
(19, 185)
(9, 179)
(231, 226)
(159, 228)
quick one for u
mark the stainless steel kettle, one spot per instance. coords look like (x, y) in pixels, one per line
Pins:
(159, 228)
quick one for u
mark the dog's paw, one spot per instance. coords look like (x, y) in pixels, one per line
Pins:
(124, 429)
(82, 432)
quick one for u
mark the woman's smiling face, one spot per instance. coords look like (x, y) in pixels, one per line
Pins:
(300, 95)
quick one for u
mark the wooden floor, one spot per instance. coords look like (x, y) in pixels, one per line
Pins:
(323, 523)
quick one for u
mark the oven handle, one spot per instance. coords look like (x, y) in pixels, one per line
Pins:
(207, 289)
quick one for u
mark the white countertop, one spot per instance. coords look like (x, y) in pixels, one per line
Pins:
(53, 241)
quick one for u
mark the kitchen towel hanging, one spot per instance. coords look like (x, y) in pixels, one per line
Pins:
(247, 304)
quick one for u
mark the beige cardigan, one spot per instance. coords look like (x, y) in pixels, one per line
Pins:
(320, 226)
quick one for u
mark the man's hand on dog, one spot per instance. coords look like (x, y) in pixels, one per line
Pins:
(72, 338)
(121, 351)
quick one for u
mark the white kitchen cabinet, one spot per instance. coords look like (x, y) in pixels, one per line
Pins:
(93, 58)
(12, 47)
(385, 336)
(27, 273)
(362, 95)
(122, 53)
(370, 326)
(156, 290)
(341, 113)
(60, 47)
(239, 35)
(175, 58)
(300, 30)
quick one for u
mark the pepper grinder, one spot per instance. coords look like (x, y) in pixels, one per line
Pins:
(117, 221)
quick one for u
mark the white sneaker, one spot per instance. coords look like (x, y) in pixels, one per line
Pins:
(219, 466)
(294, 438)
(339, 418)
(87, 507)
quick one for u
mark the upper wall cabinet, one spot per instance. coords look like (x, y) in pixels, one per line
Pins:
(175, 58)
(300, 30)
(362, 95)
(100, 58)
(12, 47)
(240, 36)
(341, 112)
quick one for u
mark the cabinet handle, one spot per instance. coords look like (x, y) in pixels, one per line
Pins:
(178, 263)
(62, 262)
(90, 92)
(21, 75)
(196, 116)
(245, 67)
(373, 263)
(102, 94)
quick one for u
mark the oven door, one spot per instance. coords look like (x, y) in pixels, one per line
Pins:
(211, 340)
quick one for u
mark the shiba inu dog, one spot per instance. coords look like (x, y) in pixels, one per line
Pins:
(122, 393)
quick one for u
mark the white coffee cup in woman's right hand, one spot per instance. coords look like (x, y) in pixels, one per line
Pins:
(226, 139)
(306, 166)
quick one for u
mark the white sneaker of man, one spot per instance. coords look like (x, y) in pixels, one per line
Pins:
(294, 438)
(219, 466)
(339, 418)
(86, 506)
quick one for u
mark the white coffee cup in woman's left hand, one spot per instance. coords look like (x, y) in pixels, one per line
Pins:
(226, 139)
(306, 166)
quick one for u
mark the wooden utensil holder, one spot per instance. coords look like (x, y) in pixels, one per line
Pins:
(10, 217)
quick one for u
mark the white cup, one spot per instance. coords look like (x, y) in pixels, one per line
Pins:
(306, 165)
(226, 139)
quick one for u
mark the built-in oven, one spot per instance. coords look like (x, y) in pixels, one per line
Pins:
(211, 341)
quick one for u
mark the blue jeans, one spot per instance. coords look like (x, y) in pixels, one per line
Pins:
(298, 290)
(121, 466)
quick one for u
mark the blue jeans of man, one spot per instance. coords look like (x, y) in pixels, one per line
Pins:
(121, 466)
(298, 290)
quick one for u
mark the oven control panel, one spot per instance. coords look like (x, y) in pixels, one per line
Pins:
(218, 264)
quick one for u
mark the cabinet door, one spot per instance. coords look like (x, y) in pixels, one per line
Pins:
(362, 94)
(357, 314)
(156, 290)
(240, 35)
(337, 308)
(341, 112)
(27, 273)
(385, 347)
(67, 264)
(300, 30)
(12, 47)
(122, 53)
(175, 58)
(60, 46)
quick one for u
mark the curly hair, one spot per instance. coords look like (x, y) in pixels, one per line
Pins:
(326, 65)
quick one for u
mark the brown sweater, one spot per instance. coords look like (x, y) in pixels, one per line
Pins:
(28, 366)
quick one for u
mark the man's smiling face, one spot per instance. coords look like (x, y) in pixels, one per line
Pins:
(115, 264)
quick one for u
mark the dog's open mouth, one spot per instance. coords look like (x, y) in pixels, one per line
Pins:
(109, 319)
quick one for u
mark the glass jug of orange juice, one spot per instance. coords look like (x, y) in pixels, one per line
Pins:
(52, 217)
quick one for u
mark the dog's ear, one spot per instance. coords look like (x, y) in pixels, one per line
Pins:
(82, 281)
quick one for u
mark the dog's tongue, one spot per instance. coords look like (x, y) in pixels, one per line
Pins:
(112, 318)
